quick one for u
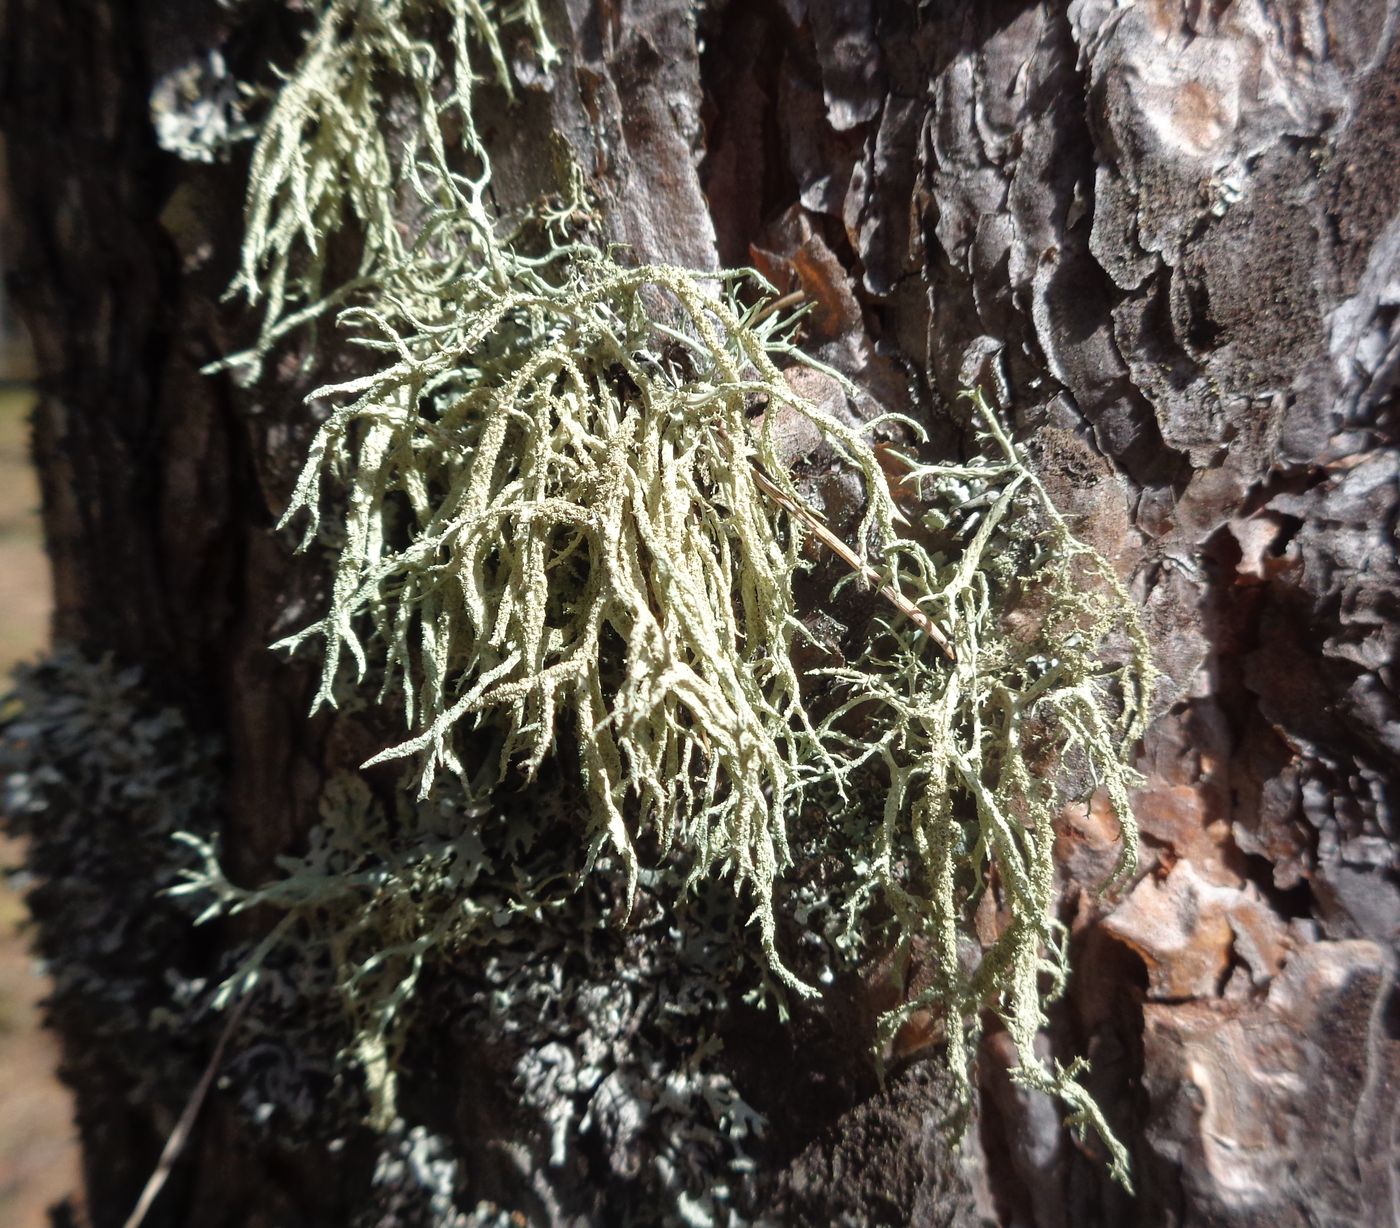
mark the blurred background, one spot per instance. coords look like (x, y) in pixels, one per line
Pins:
(38, 1149)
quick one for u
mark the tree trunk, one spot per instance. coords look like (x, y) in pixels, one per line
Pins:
(1164, 238)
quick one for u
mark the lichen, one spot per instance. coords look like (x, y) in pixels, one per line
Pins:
(555, 522)
(607, 1034)
(97, 777)
(558, 516)
(330, 155)
(380, 895)
(1042, 708)
(197, 111)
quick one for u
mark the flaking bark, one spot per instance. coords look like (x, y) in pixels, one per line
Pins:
(1165, 238)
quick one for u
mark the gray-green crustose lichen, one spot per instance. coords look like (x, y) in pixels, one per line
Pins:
(555, 527)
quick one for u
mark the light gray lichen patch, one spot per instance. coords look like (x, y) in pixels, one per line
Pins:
(198, 110)
(97, 777)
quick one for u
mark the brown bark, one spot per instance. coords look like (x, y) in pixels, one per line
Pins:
(1166, 237)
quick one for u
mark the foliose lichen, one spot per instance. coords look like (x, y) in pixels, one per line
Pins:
(607, 1034)
(197, 110)
(97, 776)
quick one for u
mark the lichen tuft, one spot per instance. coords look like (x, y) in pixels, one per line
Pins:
(557, 515)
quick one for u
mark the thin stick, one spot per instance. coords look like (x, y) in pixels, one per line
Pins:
(854, 562)
(779, 304)
(179, 1136)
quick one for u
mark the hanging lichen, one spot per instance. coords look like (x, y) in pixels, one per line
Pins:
(1046, 699)
(330, 156)
(564, 520)
(578, 537)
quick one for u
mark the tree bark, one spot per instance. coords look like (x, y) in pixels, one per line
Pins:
(1164, 237)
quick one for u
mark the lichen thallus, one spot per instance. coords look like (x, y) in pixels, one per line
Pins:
(541, 524)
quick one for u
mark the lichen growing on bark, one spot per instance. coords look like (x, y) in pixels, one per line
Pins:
(1048, 696)
(483, 923)
(96, 775)
(556, 527)
(330, 156)
(555, 524)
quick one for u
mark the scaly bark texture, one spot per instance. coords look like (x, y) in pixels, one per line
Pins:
(1165, 237)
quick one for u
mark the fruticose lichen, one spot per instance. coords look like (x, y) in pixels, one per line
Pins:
(555, 522)
(559, 518)
(982, 758)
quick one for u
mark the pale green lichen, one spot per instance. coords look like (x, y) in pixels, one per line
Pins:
(554, 526)
(1043, 706)
(554, 522)
(330, 156)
